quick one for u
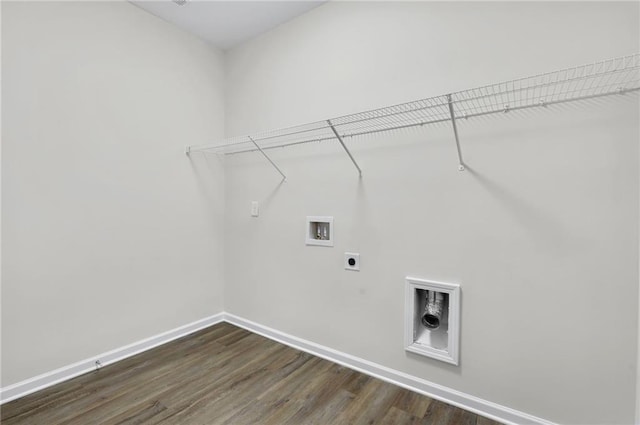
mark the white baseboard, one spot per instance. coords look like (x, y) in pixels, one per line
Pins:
(468, 402)
(474, 404)
(65, 373)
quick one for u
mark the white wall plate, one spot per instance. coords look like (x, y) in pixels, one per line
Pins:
(319, 230)
(441, 343)
(352, 261)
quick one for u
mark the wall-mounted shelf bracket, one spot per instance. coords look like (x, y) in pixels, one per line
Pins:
(344, 146)
(455, 133)
(268, 159)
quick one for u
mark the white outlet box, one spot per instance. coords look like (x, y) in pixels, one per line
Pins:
(319, 230)
(441, 343)
(255, 209)
(352, 261)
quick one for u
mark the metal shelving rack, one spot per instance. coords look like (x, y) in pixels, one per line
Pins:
(616, 76)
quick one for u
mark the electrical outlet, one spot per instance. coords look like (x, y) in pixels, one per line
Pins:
(352, 261)
(255, 209)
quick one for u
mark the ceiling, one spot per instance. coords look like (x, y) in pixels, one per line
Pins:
(226, 24)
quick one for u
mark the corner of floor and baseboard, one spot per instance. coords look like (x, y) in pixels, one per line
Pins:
(465, 401)
(47, 379)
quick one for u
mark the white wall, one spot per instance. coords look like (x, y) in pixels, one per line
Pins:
(542, 232)
(638, 360)
(110, 233)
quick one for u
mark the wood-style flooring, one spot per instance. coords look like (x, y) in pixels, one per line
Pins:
(227, 375)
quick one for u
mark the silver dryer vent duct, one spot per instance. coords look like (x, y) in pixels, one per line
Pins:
(433, 310)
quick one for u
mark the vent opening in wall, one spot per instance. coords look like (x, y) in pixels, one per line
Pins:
(432, 322)
(319, 231)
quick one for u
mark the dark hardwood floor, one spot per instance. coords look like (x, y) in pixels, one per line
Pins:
(226, 375)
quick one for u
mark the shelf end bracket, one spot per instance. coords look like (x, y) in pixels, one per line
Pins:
(344, 146)
(455, 133)
(284, 178)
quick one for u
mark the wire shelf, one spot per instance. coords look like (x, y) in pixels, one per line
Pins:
(613, 76)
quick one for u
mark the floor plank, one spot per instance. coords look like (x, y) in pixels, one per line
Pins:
(227, 375)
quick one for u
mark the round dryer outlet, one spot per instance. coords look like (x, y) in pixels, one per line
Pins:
(352, 261)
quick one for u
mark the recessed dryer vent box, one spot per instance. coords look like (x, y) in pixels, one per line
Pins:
(319, 230)
(432, 319)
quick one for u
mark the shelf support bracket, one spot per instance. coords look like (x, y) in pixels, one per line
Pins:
(284, 178)
(344, 146)
(455, 133)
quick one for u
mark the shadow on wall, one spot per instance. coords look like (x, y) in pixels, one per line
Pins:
(266, 201)
(208, 171)
(548, 231)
